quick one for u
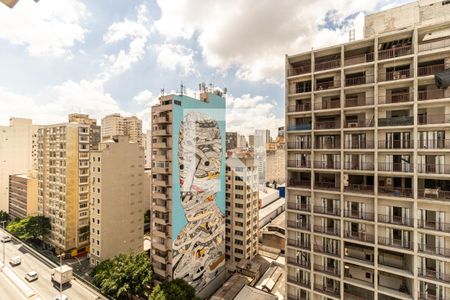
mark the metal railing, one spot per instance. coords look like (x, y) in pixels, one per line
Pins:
(327, 270)
(299, 164)
(327, 210)
(360, 101)
(327, 165)
(396, 121)
(299, 70)
(360, 236)
(326, 85)
(434, 193)
(361, 166)
(395, 52)
(299, 107)
(395, 243)
(395, 167)
(299, 183)
(327, 230)
(359, 123)
(359, 188)
(395, 98)
(299, 244)
(395, 191)
(358, 59)
(298, 262)
(298, 281)
(327, 250)
(433, 119)
(326, 185)
(326, 65)
(328, 144)
(299, 225)
(434, 45)
(299, 145)
(430, 94)
(327, 124)
(433, 274)
(298, 127)
(368, 216)
(430, 70)
(395, 75)
(299, 206)
(388, 219)
(440, 251)
(333, 291)
(395, 144)
(368, 144)
(433, 225)
(433, 168)
(429, 296)
(352, 81)
(327, 104)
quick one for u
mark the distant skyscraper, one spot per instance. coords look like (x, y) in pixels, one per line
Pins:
(232, 140)
(241, 141)
(262, 137)
(115, 125)
(251, 141)
(281, 131)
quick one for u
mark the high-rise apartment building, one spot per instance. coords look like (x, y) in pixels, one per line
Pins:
(262, 137)
(17, 153)
(368, 157)
(276, 161)
(117, 199)
(188, 225)
(242, 206)
(241, 141)
(23, 191)
(63, 182)
(232, 140)
(115, 125)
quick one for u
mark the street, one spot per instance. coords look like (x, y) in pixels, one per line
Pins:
(43, 286)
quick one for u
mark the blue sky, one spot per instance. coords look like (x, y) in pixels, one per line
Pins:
(105, 56)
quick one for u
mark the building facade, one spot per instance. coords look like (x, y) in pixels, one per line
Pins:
(23, 191)
(116, 125)
(367, 162)
(188, 226)
(242, 205)
(117, 199)
(232, 140)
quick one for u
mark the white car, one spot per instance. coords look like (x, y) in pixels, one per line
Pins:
(31, 276)
(15, 261)
(61, 297)
(5, 239)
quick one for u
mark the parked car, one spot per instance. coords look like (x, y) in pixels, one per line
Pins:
(61, 297)
(31, 276)
(5, 239)
(15, 261)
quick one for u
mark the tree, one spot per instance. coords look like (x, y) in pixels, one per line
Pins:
(31, 228)
(178, 289)
(4, 216)
(124, 276)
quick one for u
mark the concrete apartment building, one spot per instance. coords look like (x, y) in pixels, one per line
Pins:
(368, 158)
(23, 191)
(117, 199)
(188, 209)
(115, 125)
(262, 137)
(17, 153)
(63, 182)
(242, 206)
(276, 161)
(232, 140)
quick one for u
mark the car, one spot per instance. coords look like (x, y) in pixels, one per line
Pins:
(15, 261)
(31, 276)
(5, 239)
(61, 297)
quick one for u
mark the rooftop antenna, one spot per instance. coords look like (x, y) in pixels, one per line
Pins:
(162, 92)
(182, 88)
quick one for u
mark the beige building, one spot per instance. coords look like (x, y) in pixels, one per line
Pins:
(368, 159)
(276, 161)
(63, 183)
(115, 125)
(23, 191)
(17, 153)
(242, 205)
(117, 199)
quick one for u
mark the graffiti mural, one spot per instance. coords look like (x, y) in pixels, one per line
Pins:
(198, 250)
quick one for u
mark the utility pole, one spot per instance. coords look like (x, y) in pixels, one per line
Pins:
(3, 242)
(60, 279)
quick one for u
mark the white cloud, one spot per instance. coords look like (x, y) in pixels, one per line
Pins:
(173, 57)
(254, 38)
(145, 97)
(48, 29)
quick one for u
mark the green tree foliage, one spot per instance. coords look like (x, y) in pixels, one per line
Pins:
(178, 289)
(30, 228)
(124, 276)
(147, 216)
(4, 216)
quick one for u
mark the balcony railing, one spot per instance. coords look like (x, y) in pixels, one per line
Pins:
(299, 145)
(327, 230)
(360, 101)
(396, 121)
(299, 70)
(298, 206)
(430, 70)
(395, 52)
(327, 124)
(395, 167)
(433, 274)
(395, 144)
(327, 270)
(395, 220)
(299, 89)
(326, 85)
(298, 262)
(433, 119)
(327, 250)
(433, 225)
(359, 188)
(433, 168)
(395, 75)
(299, 244)
(326, 65)
(359, 123)
(431, 249)
(352, 81)
(327, 165)
(332, 291)
(360, 236)
(430, 94)
(368, 216)
(327, 210)
(395, 191)
(299, 107)
(351, 295)
(368, 144)
(299, 225)
(395, 98)
(434, 193)
(328, 145)
(395, 243)
(434, 45)
(429, 296)
(358, 59)
(298, 281)
(299, 183)
(327, 104)
(361, 166)
(326, 186)
(299, 127)
(299, 164)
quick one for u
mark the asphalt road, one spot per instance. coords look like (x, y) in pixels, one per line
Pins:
(8, 291)
(43, 286)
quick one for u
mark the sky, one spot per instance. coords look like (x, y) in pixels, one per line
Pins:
(115, 56)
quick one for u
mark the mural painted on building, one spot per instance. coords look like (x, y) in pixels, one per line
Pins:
(198, 250)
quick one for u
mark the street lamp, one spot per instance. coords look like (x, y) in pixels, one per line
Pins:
(3, 242)
(60, 279)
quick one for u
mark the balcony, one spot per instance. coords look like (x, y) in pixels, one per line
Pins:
(327, 230)
(358, 101)
(300, 282)
(368, 144)
(434, 194)
(395, 52)
(299, 164)
(327, 125)
(299, 206)
(360, 236)
(359, 80)
(396, 121)
(327, 65)
(330, 104)
(395, 144)
(326, 85)
(359, 166)
(433, 225)
(328, 144)
(359, 123)
(298, 262)
(429, 296)
(299, 244)
(433, 168)
(432, 274)
(353, 214)
(300, 70)
(395, 243)
(300, 127)
(433, 250)
(300, 183)
(445, 43)
(323, 185)
(395, 191)
(160, 132)
(330, 291)
(299, 145)
(358, 59)
(299, 225)
(395, 220)
(334, 165)
(430, 70)
(395, 75)
(433, 119)
(430, 94)
(326, 250)
(359, 188)
(395, 98)
(395, 167)
(327, 210)
(299, 107)
(327, 270)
